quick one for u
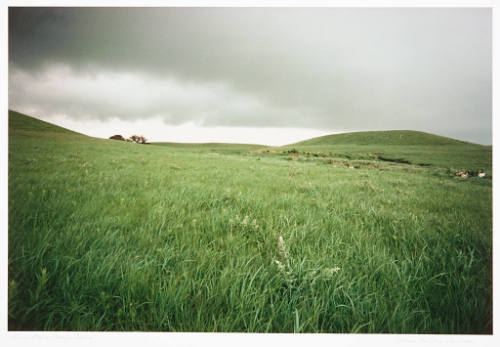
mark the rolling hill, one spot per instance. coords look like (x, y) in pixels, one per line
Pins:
(19, 122)
(404, 146)
(390, 137)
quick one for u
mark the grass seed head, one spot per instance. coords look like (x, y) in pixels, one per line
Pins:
(282, 250)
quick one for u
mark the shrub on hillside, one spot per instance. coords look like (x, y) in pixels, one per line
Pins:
(117, 137)
(138, 139)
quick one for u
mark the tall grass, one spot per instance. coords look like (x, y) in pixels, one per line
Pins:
(105, 235)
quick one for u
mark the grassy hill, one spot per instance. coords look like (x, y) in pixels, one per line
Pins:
(391, 137)
(21, 124)
(410, 147)
(111, 236)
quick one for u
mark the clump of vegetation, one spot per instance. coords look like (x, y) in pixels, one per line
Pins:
(133, 138)
(138, 139)
(394, 160)
(117, 137)
(466, 173)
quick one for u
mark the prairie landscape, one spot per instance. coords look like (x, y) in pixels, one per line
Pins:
(282, 169)
(369, 232)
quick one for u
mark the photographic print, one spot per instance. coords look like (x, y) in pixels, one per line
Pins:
(250, 170)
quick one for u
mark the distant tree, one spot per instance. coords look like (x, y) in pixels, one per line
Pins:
(117, 137)
(138, 139)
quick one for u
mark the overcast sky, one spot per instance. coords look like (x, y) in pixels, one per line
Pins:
(261, 75)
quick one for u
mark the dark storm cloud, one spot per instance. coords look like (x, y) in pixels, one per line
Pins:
(338, 69)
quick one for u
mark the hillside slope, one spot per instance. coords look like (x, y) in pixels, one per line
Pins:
(390, 137)
(21, 122)
(404, 146)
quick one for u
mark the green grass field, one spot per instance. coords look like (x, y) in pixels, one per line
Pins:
(378, 234)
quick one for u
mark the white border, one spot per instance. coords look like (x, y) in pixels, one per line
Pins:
(193, 339)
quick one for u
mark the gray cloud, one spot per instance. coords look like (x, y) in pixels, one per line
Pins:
(61, 90)
(323, 68)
